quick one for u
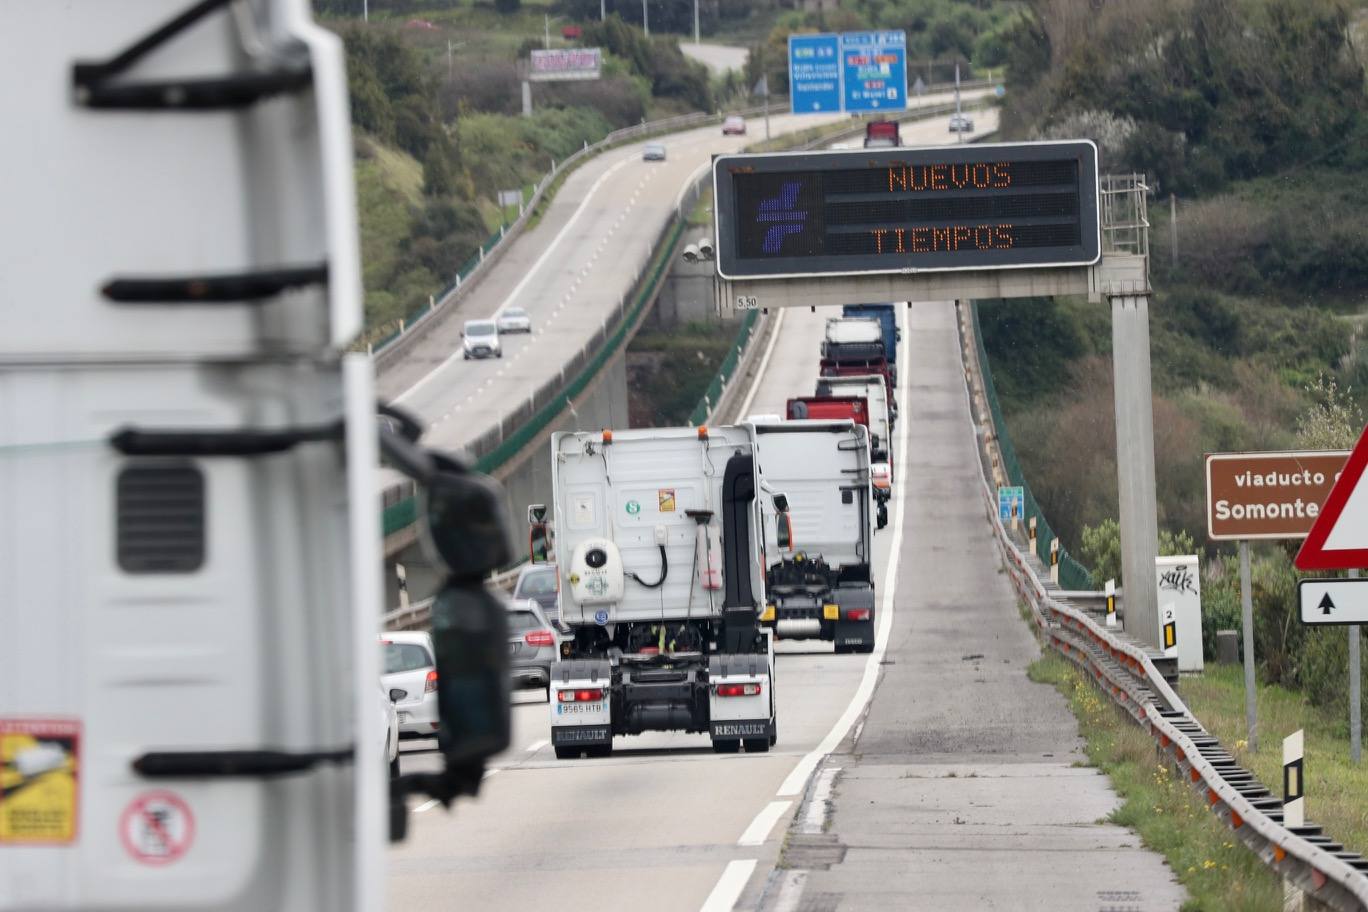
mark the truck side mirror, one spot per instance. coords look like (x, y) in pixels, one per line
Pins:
(781, 503)
(783, 531)
(538, 543)
(539, 534)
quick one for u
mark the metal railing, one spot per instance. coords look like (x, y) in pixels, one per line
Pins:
(1127, 673)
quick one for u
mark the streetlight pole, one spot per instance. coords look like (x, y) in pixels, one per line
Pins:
(645, 18)
(696, 39)
(603, 10)
(546, 31)
(365, 10)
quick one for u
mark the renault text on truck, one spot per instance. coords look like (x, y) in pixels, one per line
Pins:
(660, 545)
(822, 588)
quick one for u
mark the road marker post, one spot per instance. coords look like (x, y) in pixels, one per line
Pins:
(1054, 561)
(1109, 588)
(401, 575)
(1294, 779)
(1168, 629)
(1031, 533)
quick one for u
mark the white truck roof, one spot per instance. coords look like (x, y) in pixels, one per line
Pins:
(643, 481)
(854, 329)
(822, 467)
(875, 390)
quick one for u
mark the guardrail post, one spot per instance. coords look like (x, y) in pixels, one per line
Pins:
(458, 281)
(553, 166)
(401, 325)
(432, 303)
(482, 253)
(501, 232)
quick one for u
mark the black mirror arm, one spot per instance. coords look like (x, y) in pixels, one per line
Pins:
(402, 454)
(409, 426)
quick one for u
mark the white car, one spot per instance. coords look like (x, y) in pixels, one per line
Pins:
(409, 676)
(961, 123)
(480, 339)
(513, 320)
(389, 720)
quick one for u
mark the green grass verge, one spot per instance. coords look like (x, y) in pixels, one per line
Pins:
(1336, 789)
(1220, 874)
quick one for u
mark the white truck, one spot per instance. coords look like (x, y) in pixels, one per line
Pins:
(661, 551)
(191, 541)
(875, 390)
(823, 589)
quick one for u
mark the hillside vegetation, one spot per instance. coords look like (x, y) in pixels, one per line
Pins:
(436, 109)
(1252, 115)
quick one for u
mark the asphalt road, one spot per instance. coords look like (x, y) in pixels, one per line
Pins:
(569, 272)
(717, 57)
(953, 787)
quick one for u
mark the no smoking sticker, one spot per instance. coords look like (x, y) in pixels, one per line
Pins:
(157, 828)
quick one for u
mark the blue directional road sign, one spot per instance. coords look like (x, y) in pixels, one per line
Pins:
(814, 73)
(874, 71)
(1010, 503)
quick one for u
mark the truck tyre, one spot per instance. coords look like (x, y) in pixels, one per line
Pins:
(865, 648)
(727, 746)
(564, 752)
(600, 750)
(757, 745)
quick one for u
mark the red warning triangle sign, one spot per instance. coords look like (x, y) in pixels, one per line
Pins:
(1339, 538)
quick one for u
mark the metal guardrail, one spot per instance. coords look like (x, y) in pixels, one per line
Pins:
(1303, 856)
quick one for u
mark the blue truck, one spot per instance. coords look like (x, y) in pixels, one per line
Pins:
(887, 315)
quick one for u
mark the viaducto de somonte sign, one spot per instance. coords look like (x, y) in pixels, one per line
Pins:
(1268, 495)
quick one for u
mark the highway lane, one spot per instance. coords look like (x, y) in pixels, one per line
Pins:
(569, 272)
(658, 823)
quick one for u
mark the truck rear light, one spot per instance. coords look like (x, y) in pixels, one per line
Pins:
(831, 612)
(702, 432)
(857, 614)
(431, 685)
(767, 614)
(539, 638)
(580, 696)
(738, 690)
(607, 436)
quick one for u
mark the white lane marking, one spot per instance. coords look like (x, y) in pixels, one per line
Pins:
(798, 778)
(790, 891)
(536, 746)
(759, 828)
(426, 806)
(764, 364)
(517, 289)
(815, 815)
(729, 886)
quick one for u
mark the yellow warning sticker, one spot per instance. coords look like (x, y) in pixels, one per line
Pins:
(667, 500)
(39, 780)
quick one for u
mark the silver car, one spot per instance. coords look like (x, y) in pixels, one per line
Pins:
(961, 123)
(541, 584)
(653, 152)
(533, 645)
(513, 320)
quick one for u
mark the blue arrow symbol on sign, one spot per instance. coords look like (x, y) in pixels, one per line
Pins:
(782, 209)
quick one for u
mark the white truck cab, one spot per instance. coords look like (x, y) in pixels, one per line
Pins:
(821, 587)
(662, 558)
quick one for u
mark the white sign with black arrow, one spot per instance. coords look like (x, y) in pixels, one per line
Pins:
(1333, 601)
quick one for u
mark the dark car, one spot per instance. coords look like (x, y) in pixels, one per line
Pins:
(541, 584)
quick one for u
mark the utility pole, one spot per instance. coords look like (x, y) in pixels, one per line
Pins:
(603, 10)
(1173, 229)
(959, 119)
(696, 38)
(645, 19)
(365, 10)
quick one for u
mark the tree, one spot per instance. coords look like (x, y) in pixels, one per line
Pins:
(1333, 422)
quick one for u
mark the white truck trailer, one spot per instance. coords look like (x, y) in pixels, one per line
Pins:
(822, 588)
(875, 390)
(660, 547)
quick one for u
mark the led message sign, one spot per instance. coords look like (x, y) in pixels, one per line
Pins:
(906, 210)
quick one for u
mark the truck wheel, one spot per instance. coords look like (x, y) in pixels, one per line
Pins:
(865, 647)
(564, 752)
(840, 649)
(726, 747)
(757, 745)
(600, 750)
